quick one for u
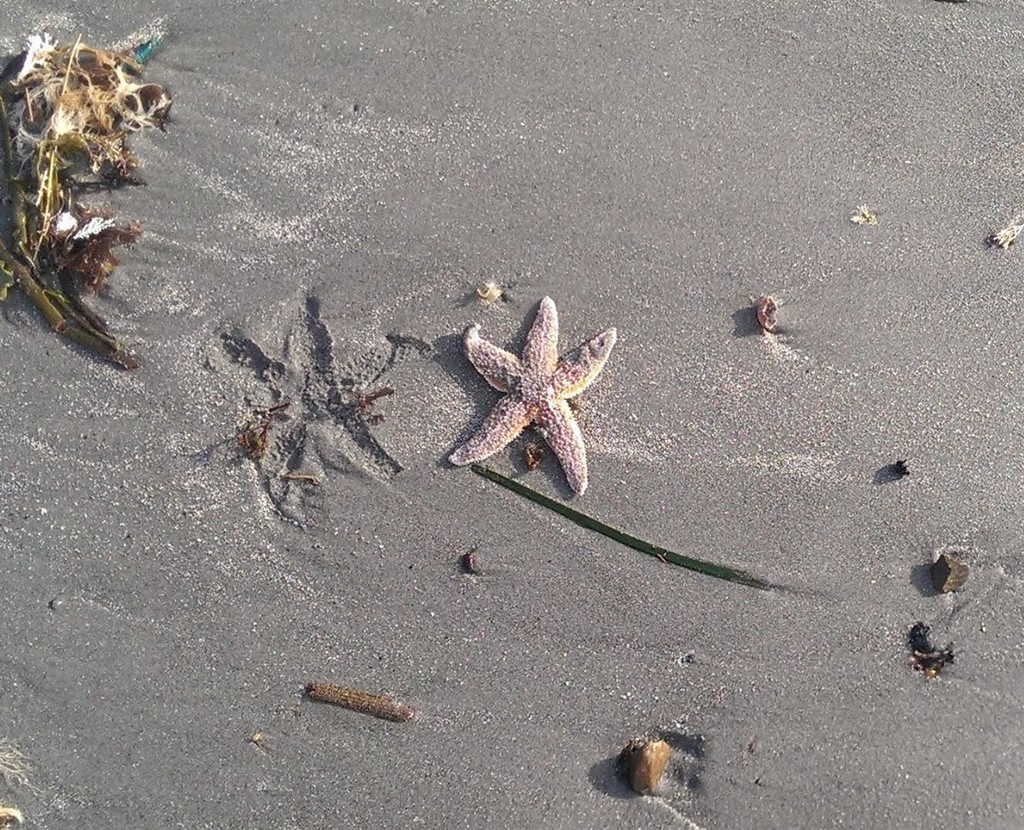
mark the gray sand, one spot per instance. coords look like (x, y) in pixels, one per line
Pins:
(335, 182)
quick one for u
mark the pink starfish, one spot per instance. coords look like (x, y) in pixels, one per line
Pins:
(538, 387)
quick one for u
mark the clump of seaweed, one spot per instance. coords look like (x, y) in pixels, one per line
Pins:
(864, 216)
(66, 112)
(926, 658)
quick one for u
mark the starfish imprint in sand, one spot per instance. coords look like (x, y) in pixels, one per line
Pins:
(538, 386)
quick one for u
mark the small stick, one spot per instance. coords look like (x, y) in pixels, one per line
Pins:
(376, 705)
(290, 476)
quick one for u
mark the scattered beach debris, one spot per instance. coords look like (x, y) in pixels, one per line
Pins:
(10, 816)
(643, 761)
(364, 404)
(663, 554)
(253, 431)
(948, 573)
(490, 292)
(892, 472)
(378, 706)
(533, 455)
(468, 563)
(1008, 235)
(66, 113)
(537, 387)
(927, 659)
(864, 216)
(767, 311)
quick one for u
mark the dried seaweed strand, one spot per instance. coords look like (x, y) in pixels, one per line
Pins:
(364, 702)
(665, 555)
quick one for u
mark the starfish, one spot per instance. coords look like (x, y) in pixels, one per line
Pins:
(538, 386)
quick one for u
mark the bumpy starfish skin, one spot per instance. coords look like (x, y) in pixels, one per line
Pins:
(537, 388)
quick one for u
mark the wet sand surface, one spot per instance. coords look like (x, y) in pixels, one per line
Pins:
(335, 182)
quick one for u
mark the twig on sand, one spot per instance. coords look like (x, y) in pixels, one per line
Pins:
(309, 478)
(663, 554)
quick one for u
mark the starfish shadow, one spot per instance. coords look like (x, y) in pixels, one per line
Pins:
(327, 409)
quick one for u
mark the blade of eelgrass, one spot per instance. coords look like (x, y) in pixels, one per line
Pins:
(664, 554)
(47, 301)
(15, 187)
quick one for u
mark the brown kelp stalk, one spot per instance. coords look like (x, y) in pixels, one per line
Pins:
(66, 111)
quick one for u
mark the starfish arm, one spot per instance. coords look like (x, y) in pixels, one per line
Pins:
(564, 437)
(508, 418)
(580, 368)
(541, 352)
(500, 369)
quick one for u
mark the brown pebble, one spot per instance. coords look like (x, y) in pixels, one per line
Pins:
(948, 573)
(645, 764)
(767, 313)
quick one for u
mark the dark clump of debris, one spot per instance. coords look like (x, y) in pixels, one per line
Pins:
(948, 573)
(364, 404)
(468, 564)
(533, 455)
(252, 434)
(927, 659)
(892, 472)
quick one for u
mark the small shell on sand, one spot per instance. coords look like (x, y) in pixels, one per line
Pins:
(9, 816)
(489, 292)
(948, 573)
(767, 313)
(644, 761)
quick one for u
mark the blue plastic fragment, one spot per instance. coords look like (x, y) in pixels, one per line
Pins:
(144, 51)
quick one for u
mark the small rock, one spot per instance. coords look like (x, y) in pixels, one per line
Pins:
(767, 311)
(645, 761)
(468, 564)
(948, 573)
